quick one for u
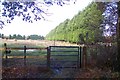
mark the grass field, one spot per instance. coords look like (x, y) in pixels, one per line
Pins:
(37, 57)
(15, 67)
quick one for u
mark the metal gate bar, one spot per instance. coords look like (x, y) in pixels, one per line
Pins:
(78, 55)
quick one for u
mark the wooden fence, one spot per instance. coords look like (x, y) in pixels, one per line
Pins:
(7, 51)
(81, 55)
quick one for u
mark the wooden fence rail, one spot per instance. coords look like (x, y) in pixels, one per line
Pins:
(7, 51)
(81, 58)
(17, 48)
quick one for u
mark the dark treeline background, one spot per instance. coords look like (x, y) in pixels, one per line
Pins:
(20, 37)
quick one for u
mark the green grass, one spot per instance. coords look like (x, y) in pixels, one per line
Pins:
(44, 52)
(68, 58)
(28, 53)
(22, 45)
(21, 53)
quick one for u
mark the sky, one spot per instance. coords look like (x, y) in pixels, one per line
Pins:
(43, 27)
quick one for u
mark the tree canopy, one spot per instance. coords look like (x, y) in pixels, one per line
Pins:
(29, 10)
(85, 26)
(110, 14)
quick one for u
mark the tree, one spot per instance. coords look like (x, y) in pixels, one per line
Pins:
(36, 37)
(28, 10)
(10, 36)
(24, 37)
(81, 38)
(109, 24)
(118, 39)
(112, 21)
(19, 36)
(87, 21)
(14, 36)
(2, 36)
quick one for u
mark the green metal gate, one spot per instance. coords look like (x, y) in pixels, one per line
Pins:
(64, 56)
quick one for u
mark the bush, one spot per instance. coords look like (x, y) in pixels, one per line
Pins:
(103, 55)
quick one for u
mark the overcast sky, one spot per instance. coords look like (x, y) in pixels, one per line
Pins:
(59, 14)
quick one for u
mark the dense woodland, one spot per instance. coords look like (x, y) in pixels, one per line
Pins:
(83, 27)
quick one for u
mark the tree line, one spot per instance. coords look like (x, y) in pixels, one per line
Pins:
(22, 37)
(88, 26)
(83, 27)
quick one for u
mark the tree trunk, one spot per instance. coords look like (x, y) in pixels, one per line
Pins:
(118, 39)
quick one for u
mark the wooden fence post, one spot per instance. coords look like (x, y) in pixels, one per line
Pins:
(80, 56)
(78, 59)
(24, 55)
(5, 48)
(48, 57)
(84, 60)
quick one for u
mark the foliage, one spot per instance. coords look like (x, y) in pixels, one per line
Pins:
(20, 37)
(83, 27)
(28, 10)
(1, 35)
(36, 37)
(110, 19)
(16, 36)
(103, 55)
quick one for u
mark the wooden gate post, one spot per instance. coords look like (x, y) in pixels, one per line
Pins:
(84, 60)
(24, 55)
(48, 57)
(80, 56)
(78, 59)
(5, 48)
